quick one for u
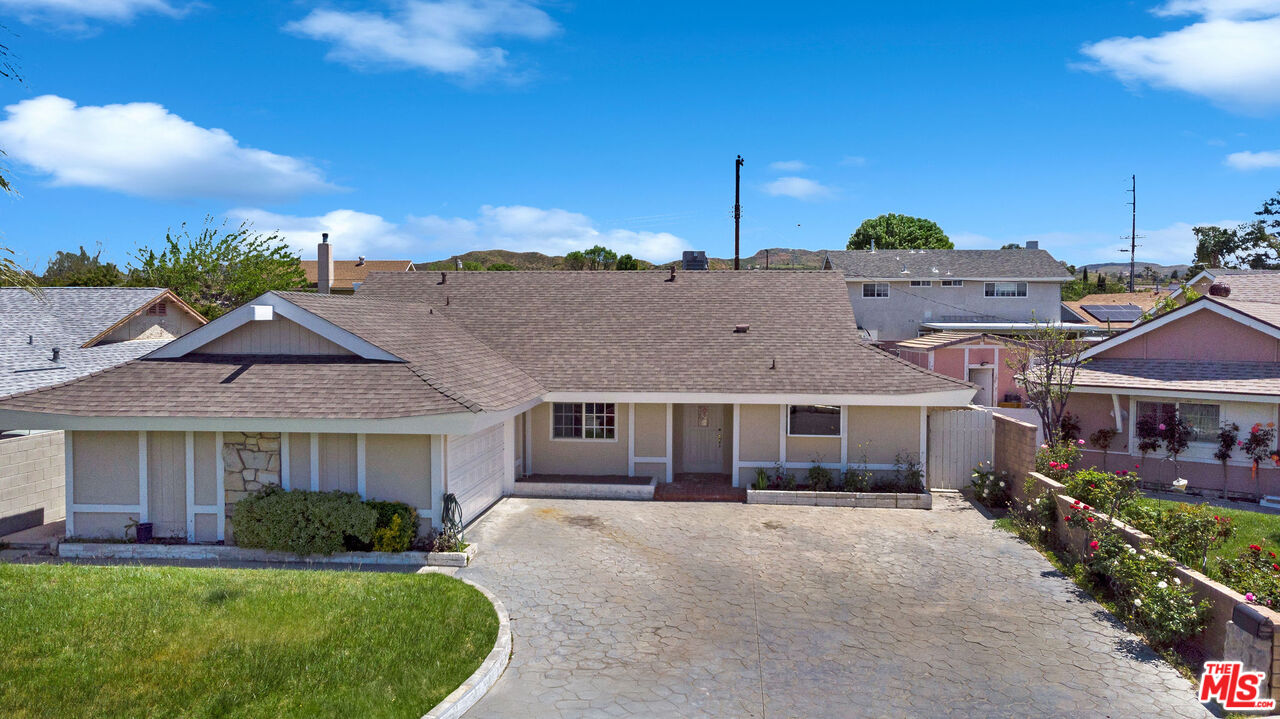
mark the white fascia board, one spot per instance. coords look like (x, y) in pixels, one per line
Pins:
(452, 423)
(1200, 305)
(851, 279)
(1009, 326)
(959, 397)
(1149, 392)
(201, 336)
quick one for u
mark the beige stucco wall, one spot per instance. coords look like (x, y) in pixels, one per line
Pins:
(398, 468)
(758, 434)
(174, 323)
(656, 470)
(813, 449)
(882, 432)
(105, 466)
(299, 460)
(102, 525)
(560, 456)
(337, 462)
(206, 456)
(167, 483)
(651, 430)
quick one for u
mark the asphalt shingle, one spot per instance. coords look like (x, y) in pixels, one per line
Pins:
(1013, 264)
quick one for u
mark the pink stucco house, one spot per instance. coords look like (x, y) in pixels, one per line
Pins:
(976, 357)
(1215, 361)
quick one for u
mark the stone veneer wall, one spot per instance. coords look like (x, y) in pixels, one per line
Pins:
(251, 461)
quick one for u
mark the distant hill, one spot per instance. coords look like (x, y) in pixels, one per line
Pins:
(1112, 268)
(779, 259)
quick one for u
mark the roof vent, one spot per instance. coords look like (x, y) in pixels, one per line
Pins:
(774, 365)
(1033, 244)
(31, 339)
(56, 354)
(741, 329)
(444, 277)
(360, 262)
(672, 278)
(1219, 289)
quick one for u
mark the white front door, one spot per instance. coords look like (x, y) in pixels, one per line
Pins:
(984, 377)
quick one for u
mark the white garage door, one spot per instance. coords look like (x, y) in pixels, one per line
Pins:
(475, 470)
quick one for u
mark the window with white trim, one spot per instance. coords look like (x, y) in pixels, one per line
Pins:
(922, 283)
(875, 289)
(583, 420)
(1204, 419)
(1006, 289)
(813, 420)
(953, 283)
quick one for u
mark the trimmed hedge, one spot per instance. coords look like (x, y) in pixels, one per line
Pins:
(303, 522)
(396, 529)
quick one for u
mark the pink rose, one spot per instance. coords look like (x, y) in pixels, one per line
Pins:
(1080, 442)
(1162, 427)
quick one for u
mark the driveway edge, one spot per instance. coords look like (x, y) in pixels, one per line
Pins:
(487, 674)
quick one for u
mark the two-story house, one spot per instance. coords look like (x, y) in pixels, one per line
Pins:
(901, 294)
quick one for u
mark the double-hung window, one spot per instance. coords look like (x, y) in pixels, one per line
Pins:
(953, 283)
(1006, 289)
(1204, 420)
(875, 289)
(583, 420)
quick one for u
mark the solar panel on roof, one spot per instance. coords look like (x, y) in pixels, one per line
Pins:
(1114, 313)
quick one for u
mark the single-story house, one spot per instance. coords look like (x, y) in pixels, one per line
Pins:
(899, 294)
(423, 384)
(1214, 361)
(325, 274)
(54, 335)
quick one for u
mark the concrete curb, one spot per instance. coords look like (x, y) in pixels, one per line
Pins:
(225, 553)
(871, 500)
(480, 681)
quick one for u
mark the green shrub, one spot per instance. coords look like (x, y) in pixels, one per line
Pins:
(1186, 532)
(819, 478)
(990, 490)
(857, 480)
(762, 479)
(406, 527)
(1147, 590)
(302, 522)
(1254, 573)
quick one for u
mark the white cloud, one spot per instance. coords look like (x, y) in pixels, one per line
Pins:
(788, 166)
(513, 227)
(140, 148)
(1254, 160)
(1231, 55)
(75, 13)
(450, 37)
(801, 188)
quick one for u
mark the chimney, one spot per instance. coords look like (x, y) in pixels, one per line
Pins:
(324, 265)
(1033, 244)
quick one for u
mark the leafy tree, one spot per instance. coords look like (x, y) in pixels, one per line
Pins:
(601, 258)
(218, 268)
(472, 266)
(1102, 282)
(899, 232)
(1080, 287)
(11, 273)
(576, 260)
(626, 263)
(1011, 246)
(1044, 362)
(1247, 246)
(1270, 212)
(1174, 274)
(502, 267)
(1084, 277)
(68, 269)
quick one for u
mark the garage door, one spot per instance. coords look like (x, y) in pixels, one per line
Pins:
(475, 470)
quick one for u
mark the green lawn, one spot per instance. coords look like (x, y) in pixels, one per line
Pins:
(1251, 528)
(82, 641)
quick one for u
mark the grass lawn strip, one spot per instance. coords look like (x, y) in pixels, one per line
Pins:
(85, 641)
(1251, 528)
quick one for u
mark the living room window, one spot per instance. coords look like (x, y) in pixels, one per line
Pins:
(875, 289)
(813, 420)
(1006, 289)
(583, 420)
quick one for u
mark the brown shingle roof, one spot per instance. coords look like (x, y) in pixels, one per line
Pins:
(347, 272)
(936, 340)
(636, 331)
(1261, 378)
(1145, 300)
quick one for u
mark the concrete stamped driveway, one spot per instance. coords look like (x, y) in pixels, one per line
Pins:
(733, 610)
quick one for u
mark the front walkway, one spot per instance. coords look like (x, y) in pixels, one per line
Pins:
(732, 610)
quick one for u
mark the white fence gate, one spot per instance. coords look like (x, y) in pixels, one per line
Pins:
(959, 440)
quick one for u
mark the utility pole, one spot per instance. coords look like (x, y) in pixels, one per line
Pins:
(737, 208)
(1133, 228)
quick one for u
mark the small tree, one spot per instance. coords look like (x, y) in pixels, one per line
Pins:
(1228, 436)
(899, 232)
(1045, 362)
(1102, 440)
(1176, 433)
(576, 260)
(600, 258)
(68, 269)
(218, 269)
(627, 263)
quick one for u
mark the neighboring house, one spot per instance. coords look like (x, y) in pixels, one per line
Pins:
(900, 294)
(55, 335)
(980, 358)
(1112, 312)
(462, 382)
(1245, 284)
(327, 275)
(1216, 361)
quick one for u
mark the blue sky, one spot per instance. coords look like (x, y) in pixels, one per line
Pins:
(421, 128)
